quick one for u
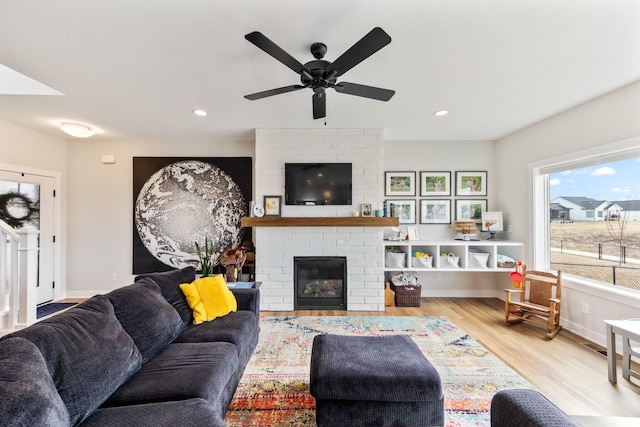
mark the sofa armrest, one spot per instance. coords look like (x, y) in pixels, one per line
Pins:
(522, 407)
(248, 299)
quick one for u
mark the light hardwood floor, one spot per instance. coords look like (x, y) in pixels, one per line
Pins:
(570, 374)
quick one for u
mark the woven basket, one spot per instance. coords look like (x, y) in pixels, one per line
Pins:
(408, 296)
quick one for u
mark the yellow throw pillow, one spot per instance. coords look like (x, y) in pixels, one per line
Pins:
(209, 297)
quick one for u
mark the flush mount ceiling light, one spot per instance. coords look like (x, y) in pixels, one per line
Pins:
(200, 113)
(440, 113)
(76, 129)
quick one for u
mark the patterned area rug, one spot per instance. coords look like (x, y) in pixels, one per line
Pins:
(274, 390)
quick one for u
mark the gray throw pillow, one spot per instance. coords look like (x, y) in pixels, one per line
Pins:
(169, 283)
(146, 316)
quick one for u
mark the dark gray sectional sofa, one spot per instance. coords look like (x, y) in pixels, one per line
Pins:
(130, 357)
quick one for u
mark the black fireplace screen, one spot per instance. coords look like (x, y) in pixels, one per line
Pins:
(320, 283)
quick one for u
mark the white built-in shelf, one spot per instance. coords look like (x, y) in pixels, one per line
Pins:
(464, 249)
(348, 221)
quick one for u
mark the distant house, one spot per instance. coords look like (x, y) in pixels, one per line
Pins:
(587, 209)
(630, 209)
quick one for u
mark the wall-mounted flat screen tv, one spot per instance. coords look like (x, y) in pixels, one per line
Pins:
(317, 183)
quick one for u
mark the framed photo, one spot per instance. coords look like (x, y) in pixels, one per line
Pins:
(272, 205)
(471, 183)
(412, 233)
(435, 211)
(404, 210)
(435, 184)
(400, 184)
(492, 221)
(365, 209)
(470, 210)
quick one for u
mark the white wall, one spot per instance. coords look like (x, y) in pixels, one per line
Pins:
(100, 205)
(450, 156)
(611, 119)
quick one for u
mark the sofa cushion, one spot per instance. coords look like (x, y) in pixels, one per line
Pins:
(88, 354)
(181, 371)
(209, 297)
(28, 394)
(146, 316)
(169, 282)
(240, 328)
(184, 413)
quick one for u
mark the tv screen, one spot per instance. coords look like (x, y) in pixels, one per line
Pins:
(317, 183)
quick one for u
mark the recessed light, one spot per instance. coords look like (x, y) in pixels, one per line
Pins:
(76, 129)
(441, 113)
(200, 113)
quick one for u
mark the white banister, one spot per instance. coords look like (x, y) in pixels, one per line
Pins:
(9, 276)
(18, 276)
(28, 260)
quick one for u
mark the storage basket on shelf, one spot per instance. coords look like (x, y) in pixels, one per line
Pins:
(394, 259)
(449, 261)
(504, 261)
(421, 260)
(478, 259)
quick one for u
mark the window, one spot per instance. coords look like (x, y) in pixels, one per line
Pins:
(590, 226)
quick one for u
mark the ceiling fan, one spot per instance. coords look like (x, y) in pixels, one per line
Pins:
(320, 74)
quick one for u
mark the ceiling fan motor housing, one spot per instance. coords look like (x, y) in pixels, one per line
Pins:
(318, 50)
(318, 70)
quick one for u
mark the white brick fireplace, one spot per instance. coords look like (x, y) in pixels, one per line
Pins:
(276, 246)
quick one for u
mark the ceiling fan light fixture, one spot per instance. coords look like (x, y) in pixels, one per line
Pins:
(77, 130)
(441, 113)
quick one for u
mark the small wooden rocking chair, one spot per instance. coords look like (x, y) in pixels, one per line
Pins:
(539, 301)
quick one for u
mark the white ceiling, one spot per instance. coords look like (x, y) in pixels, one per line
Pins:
(135, 69)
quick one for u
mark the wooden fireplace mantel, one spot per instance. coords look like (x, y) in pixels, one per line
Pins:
(299, 221)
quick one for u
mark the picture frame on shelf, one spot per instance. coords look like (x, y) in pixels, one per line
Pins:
(412, 233)
(472, 183)
(492, 221)
(401, 184)
(365, 210)
(470, 209)
(404, 210)
(272, 205)
(492, 224)
(435, 183)
(435, 211)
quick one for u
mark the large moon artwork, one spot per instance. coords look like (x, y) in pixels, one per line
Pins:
(184, 202)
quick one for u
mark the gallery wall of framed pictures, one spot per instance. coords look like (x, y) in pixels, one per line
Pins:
(442, 196)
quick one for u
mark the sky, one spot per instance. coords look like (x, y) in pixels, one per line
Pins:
(608, 181)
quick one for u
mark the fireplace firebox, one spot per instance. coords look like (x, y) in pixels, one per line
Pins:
(320, 283)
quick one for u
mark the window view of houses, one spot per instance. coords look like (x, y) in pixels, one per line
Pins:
(595, 222)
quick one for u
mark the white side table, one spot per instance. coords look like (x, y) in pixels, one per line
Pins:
(627, 329)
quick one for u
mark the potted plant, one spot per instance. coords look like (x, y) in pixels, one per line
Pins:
(206, 257)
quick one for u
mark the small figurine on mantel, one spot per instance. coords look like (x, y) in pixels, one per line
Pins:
(233, 260)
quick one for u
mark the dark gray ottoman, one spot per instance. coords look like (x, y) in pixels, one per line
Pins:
(374, 381)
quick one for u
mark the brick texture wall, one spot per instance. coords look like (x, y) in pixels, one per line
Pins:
(276, 246)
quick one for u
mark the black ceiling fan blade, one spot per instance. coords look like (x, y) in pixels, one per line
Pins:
(264, 43)
(271, 92)
(375, 40)
(319, 105)
(364, 91)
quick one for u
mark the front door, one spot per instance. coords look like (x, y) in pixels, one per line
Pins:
(27, 201)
